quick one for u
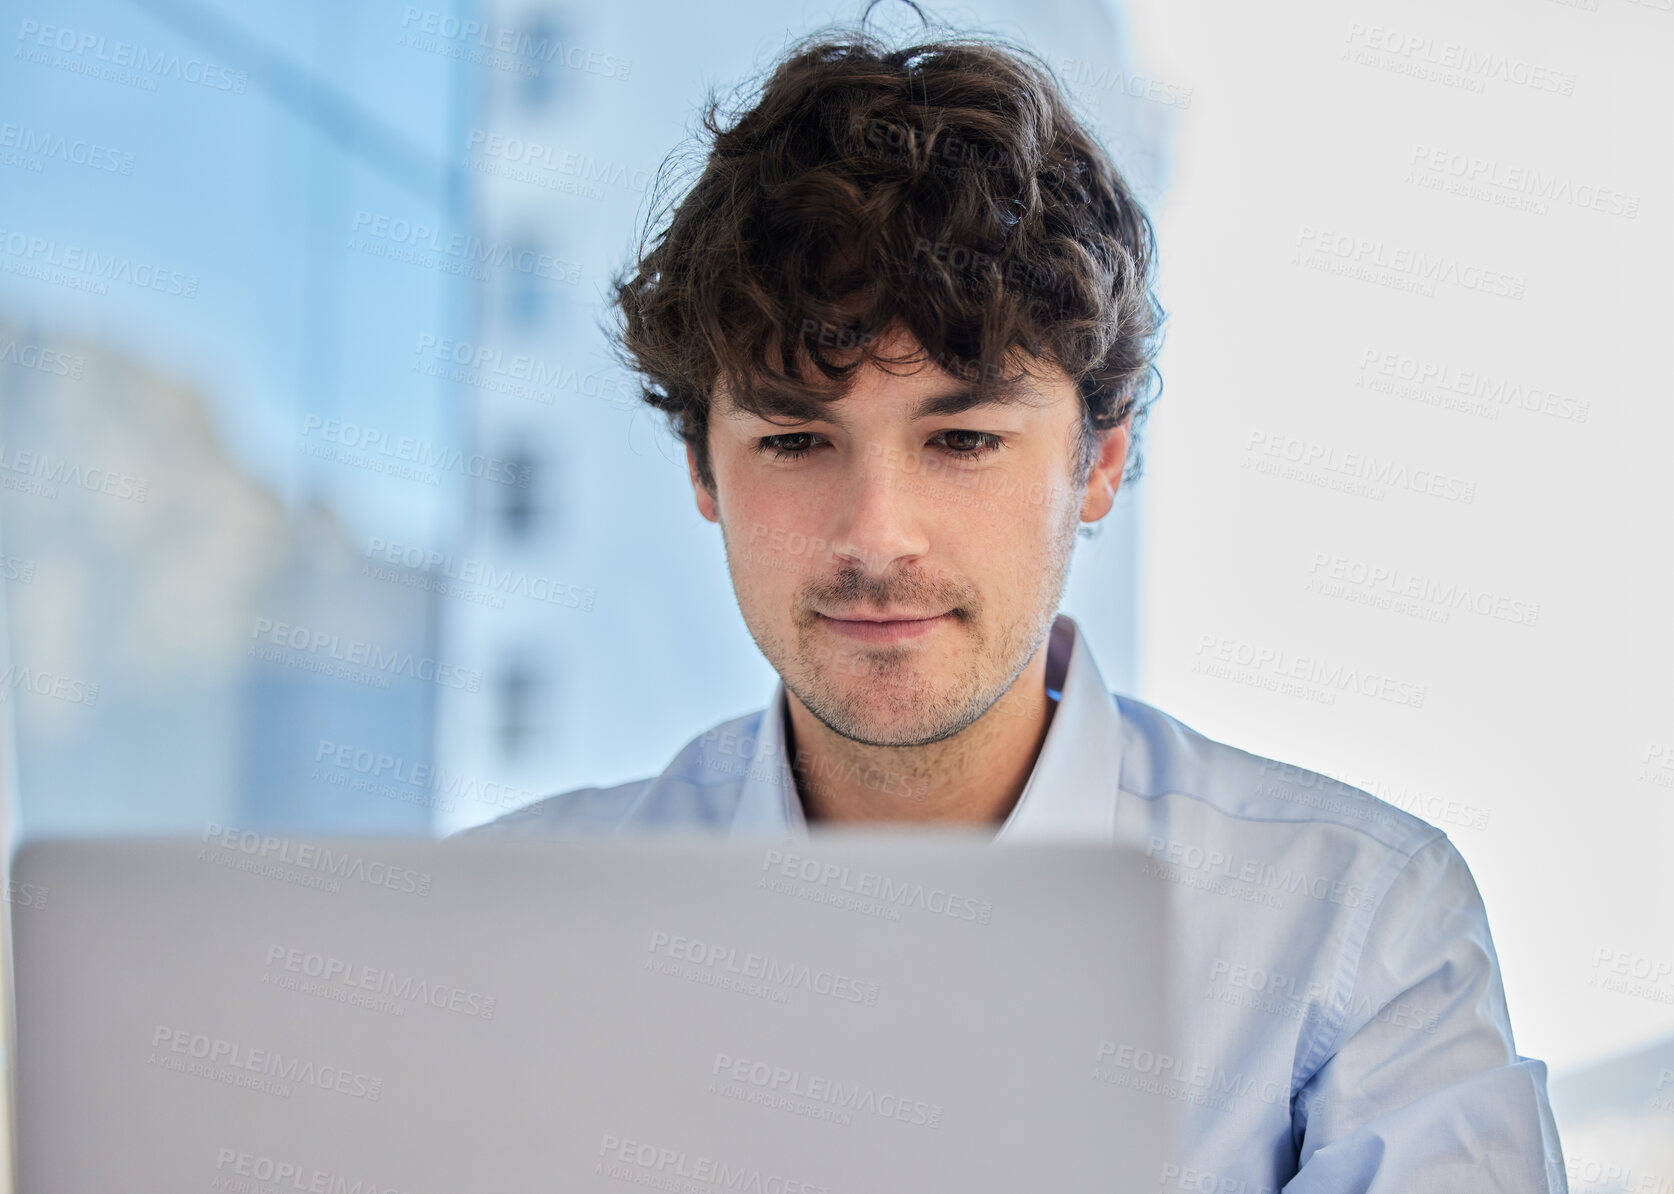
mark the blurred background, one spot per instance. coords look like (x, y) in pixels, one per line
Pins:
(325, 509)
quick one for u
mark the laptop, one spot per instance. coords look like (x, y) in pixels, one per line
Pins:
(856, 1011)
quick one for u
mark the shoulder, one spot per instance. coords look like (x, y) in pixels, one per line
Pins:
(581, 812)
(1166, 762)
(698, 789)
(1280, 870)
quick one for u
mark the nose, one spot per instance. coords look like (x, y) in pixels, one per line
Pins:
(878, 514)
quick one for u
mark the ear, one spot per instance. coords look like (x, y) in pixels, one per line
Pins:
(705, 499)
(1106, 476)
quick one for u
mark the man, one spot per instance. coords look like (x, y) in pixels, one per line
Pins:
(904, 325)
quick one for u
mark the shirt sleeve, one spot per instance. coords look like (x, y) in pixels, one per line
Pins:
(1424, 1089)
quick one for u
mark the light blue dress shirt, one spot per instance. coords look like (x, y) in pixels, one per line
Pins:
(1342, 1021)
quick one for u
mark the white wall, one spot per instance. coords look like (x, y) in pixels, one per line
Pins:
(1543, 744)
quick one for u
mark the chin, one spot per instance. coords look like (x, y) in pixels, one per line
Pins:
(877, 715)
(890, 734)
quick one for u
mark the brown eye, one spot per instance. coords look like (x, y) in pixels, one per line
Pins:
(971, 444)
(788, 446)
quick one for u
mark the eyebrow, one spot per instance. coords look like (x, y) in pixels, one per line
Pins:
(951, 402)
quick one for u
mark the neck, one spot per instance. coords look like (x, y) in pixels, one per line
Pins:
(974, 777)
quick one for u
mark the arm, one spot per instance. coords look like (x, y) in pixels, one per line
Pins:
(1422, 1088)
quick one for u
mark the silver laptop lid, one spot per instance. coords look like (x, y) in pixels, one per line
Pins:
(855, 1012)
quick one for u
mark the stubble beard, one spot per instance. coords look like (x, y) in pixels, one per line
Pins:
(880, 695)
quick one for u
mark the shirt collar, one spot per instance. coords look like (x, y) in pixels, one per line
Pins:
(1070, 793)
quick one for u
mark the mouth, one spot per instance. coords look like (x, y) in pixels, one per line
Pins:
(892, 629)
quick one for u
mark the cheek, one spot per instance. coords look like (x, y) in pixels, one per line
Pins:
(1029, 517)
(775, 544)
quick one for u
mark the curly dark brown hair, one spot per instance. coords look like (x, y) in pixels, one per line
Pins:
(945, 189)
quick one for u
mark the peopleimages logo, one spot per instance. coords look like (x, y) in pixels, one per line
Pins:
(524, 47)
(1310, 669)
(440, 566)
(774, 971)
(25, 895)
(289, 1175)
(1490, 390)
(469, 250)
(1179, 1078)
(1515, 181)
(1373, 259)
(215, 1053)
(1257, 872)
(36, 256)
(872, 885)
(1446, 596)
(484, 360)
(78, 152)
(1204, 1181)
(1361, 466)
(538, 157)
(50, 361)
(1237, 985)
(1294, 783)
(377, 450)
(47, 684)
(665, 1164)
(1101, 76)
(50, 473)
(336, 864)
(147, 64)
(361, 654)
(385, 774)
(1475, 64)
(783, 1082)
(292, 960)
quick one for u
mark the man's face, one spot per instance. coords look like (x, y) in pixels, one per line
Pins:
(898, 567)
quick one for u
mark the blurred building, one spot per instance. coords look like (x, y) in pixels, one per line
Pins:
(158, 594)
(1616, 1119)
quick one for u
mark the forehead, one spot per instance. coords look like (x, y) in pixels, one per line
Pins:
(916, 386)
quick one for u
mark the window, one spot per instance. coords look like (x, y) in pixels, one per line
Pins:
(544, 58)
(517, 691)
(519, 506)
(526, 289)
